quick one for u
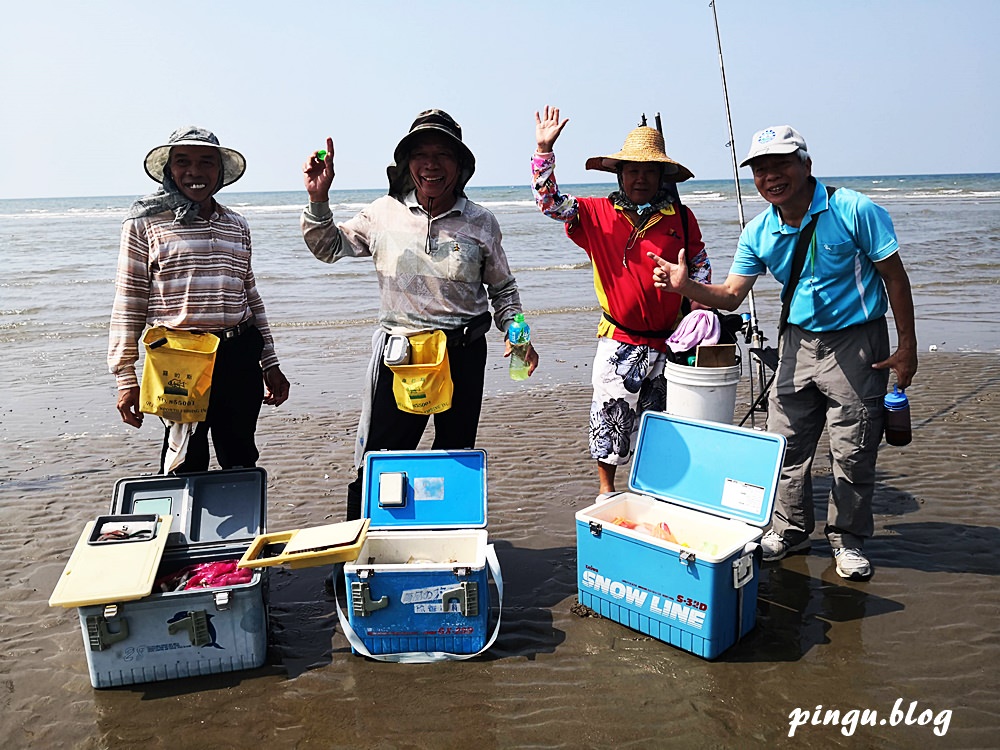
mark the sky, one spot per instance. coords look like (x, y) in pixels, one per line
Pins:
(877, 87)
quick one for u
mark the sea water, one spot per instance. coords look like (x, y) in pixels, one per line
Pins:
(58, 259)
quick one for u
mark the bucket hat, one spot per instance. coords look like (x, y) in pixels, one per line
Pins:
(429, 121)
(644, 144)
(233, 162)
(779, 139)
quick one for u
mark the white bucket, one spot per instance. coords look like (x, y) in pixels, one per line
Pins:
(707, 393)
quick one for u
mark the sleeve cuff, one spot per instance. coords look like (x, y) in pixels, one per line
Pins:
(319, 211)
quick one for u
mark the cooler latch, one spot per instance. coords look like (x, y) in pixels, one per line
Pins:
(467, 596)
(743, 566)
(99, 635)
(196, 625)
(362, 602)
(222, 600)
(595, 528)
(686, 557)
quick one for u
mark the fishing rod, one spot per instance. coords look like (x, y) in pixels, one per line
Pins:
(659, 127)
(753, 335)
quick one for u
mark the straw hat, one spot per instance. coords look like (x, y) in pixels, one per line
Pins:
(233, 162)
(644, 144)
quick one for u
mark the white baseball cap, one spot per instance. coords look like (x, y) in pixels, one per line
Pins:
(778, 139)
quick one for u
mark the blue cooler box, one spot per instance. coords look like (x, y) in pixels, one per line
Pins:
(677, 556)
(420, 582)
(133, 633)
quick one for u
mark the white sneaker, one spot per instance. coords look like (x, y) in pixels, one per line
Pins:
(775, 547)
(852, 564)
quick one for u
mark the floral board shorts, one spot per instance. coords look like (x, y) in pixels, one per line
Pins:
(628, 379)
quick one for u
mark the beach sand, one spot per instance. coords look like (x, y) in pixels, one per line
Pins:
(922, 631)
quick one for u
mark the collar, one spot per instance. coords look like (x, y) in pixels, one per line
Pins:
(667, 210)
(820, 203)
(411, 202)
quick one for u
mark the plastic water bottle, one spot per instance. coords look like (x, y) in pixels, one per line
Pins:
(519, 334)
(897, 418)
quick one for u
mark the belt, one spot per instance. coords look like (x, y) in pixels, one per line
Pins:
(474, 329)
(638, 334)
(230, 333)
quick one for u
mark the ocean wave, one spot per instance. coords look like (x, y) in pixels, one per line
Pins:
(34, 214)
(325, 323)
(250, 208)
(704, 196)
(368, 322)
(949, 194)
(507, 204)
(555, 267)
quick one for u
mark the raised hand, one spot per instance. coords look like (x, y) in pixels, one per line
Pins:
(318, 174)
(548, 128)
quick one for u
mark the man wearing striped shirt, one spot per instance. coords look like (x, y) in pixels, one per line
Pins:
(184, 264)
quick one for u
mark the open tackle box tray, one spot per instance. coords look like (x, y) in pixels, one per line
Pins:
(160, 525)
(677, 556)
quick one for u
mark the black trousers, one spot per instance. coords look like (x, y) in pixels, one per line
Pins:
(233, 407)
(455, 429)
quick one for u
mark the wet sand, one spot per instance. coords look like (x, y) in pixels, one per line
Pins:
(923, 630)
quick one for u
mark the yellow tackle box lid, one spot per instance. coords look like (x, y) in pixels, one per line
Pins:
(307, 548)
(115, 560)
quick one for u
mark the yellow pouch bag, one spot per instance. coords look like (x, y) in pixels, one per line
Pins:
(423, 386)
(177, 376)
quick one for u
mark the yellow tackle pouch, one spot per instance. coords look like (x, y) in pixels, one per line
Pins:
(177, 375)
(423, 385)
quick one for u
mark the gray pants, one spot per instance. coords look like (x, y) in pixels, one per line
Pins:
(827, 379)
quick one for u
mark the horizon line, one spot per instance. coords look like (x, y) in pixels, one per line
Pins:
(747, 180)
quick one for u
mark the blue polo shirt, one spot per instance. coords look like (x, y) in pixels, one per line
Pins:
(839, 286)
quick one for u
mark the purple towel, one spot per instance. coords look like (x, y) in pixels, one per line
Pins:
(697, 327)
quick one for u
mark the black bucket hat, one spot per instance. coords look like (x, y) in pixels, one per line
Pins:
(429, 121)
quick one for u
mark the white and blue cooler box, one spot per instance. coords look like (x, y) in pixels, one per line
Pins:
(714, 486)
(420, 583)
(215, 516)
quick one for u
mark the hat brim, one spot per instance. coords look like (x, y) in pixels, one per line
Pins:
(404, 145)
(675, 171)
(400, 182)
(233, 162)
(781, 148)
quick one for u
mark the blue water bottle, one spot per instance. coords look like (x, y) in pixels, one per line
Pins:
(519, 335)
(897, 418)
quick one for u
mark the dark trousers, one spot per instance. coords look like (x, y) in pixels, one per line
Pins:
(455, 429)
(233, 407)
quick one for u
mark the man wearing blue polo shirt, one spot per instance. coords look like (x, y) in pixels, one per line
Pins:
(834, 352)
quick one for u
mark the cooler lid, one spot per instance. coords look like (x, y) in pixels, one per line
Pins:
(727, 471)
(425, 489)
(225, 508)
(115, 560)
(307, 548)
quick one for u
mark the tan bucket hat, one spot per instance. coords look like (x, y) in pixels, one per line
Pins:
(233, 162)
(643, 144)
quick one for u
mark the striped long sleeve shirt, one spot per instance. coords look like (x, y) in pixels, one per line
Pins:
(194, 277)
